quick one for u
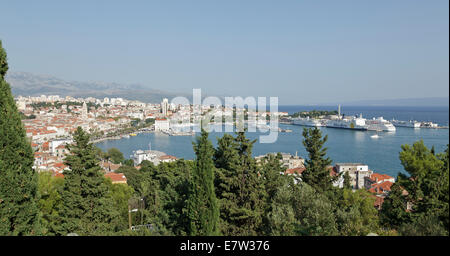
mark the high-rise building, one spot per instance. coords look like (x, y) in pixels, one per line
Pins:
(84, 111)
(164, 106)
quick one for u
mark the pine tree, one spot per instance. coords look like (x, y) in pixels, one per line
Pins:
(316, 174)
(19, 214)
(202, 205)
(425, 190)
(271, 169)
(240, 186)
(87, 203)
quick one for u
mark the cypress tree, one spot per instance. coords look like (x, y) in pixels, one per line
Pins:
(88, 205)
(202, 205)
(18, 181)
(316, 174)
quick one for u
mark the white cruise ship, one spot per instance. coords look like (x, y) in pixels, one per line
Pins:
(307, 122)
(353, 123)
(380, 124)
(410, 124)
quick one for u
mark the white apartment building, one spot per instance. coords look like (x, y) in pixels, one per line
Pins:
(165, 106)
(162, 124)
(149, 155)
(356, 171)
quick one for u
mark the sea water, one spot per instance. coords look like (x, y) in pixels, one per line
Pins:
(381, 154)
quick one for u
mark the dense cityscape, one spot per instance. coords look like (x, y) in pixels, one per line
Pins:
(55, 119)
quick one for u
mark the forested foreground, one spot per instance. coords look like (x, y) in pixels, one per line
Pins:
(223, 191)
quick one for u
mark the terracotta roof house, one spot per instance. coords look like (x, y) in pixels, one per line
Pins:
(117, 178)
(296, 171)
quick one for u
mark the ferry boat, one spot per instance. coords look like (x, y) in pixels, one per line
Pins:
(429, 125)
(353, 123)
(380, 124)
(410, 123)
(307, 122)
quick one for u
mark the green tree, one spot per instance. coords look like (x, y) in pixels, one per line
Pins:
(314, 211)
(87, 202)
(19, 213)
(425, 190)
(355, 213)
(347, 181)
(202, 206)
(281, 218)
(173, 179)
(271, 171)
(424, 225)
(394, 209)
(240, 187)
(50, 202)
(133, 175)
(317, 173)
(115, 155)
(121, 193)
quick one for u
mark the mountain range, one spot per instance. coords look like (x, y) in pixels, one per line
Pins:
(28, 84)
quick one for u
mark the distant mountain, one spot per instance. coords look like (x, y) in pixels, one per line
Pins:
(27, 84)
(418, 102)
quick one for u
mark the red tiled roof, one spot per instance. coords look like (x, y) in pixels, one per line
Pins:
(298, 170)
(333, 171)
(61, 165)
(167, 157)
(378, 201)
(59, 175)
(380, 177)
(116, 177)
(379, 188)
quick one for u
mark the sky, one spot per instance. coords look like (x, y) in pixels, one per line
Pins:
(304, 52)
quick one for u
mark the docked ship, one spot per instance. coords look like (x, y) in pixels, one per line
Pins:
(307, 122)
(410, 124)
(380, 124)
(347, 122)
(353, 123)
(428, 125)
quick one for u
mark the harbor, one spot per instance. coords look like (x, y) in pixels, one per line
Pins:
(343, 145)
(358, 122)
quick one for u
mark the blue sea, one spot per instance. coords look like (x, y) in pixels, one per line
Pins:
(382, 154)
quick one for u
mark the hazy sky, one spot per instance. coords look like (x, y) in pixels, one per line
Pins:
(302, 51)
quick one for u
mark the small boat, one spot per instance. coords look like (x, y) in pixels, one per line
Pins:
(284, 130)
(133, 134)
(375, 136)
